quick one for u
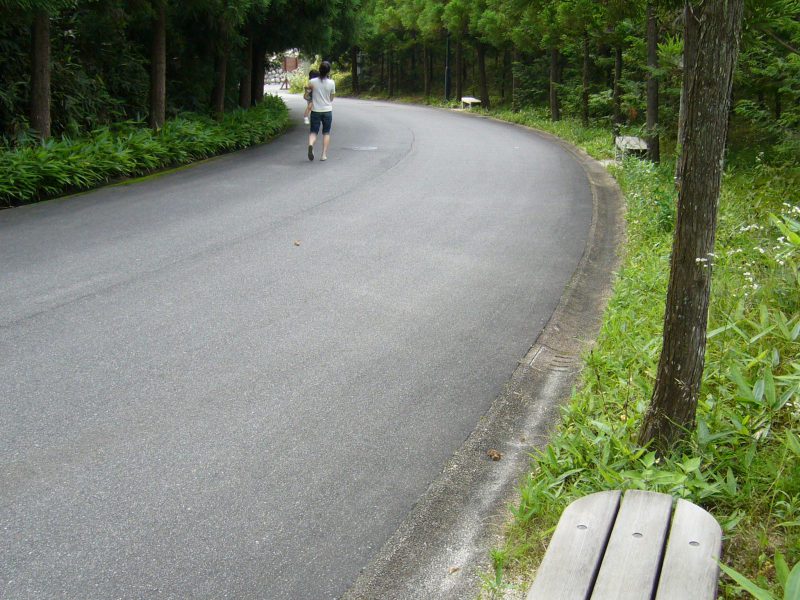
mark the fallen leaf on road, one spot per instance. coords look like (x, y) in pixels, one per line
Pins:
(297, 242)
(454, 570)
(494, 454)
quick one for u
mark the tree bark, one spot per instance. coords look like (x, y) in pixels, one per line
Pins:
(504, 78)
(555, 110)
(712, 35)
(481, 50)
(653, 146)
(40, 74)
(426, 71)
(257, 79)
(585, 82)
(459, 70)
(391, 73)
(617, 94)
(220, 77)
(354, 70)
(245, 83)
(158, 67)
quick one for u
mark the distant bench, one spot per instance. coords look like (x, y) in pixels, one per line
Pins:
(629, 144)
(634, 549)
(468, 101)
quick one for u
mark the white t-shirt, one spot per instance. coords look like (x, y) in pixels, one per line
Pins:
(322, 91)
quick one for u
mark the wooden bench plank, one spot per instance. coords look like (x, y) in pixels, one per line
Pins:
(631, 563)
(573, 557)
(690, 570)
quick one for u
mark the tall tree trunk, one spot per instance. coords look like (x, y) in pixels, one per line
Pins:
(617, 94)
(514, 99)
(555, 109)
(354, 70)
(712, 37)
(257, 78)
(391, 73)
(158, 67)
(459, 70)
(245, 82)
(653, 146)
(426, 71)
(383, 69)
(504, 78)
(585, 81)
(220, 77)
(484, 85)
(40, 74)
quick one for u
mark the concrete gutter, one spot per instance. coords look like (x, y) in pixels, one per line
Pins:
(443, 545)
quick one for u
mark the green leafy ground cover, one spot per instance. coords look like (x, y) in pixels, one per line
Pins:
(37, 171)
(741, 461)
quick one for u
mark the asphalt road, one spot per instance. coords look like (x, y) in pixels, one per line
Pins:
(235, 380)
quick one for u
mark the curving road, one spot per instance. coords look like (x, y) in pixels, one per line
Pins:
(236, 379)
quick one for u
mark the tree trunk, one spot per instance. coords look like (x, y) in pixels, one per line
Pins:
(383, 69)
(354, 70)
(617, 94)
(653, 147)
(257, 79)
(712, 36)
(245, 83)
(585, 81)
(459, 70)
(391, 73)
(555, 110)
(220, 78)
(481, 49)
(514, 99)
(506, 70)
(40, 74)
(158, 68)
(426, 71)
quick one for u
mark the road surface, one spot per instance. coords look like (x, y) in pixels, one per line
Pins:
(236, 379)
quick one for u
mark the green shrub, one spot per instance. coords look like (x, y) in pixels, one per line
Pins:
(55, 167)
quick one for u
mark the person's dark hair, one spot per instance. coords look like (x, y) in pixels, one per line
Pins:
(324, 69)
(313, 73)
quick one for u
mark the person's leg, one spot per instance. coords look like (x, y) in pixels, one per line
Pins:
(307, 113)
(326, 141)
(327, 122)
(312, 135)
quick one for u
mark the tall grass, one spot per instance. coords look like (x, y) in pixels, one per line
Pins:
(38, 171)
(741, 460)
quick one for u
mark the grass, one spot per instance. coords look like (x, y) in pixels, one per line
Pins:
(57, 167)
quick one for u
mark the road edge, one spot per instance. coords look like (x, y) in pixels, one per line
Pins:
(442, 546)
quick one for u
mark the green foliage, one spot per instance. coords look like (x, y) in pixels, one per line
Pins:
(55, 167)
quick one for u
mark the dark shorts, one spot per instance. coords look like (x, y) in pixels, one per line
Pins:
(321, 118)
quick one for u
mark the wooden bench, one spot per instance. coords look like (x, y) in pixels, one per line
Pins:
(468, 101)
(636, 549)
(629, 144)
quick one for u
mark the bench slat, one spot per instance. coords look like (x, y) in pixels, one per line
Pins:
(690, 570)
(635, 549)
(570, 564)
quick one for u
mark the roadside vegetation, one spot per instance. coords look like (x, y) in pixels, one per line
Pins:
(33, 171)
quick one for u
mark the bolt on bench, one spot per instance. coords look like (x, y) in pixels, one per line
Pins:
(610, 547)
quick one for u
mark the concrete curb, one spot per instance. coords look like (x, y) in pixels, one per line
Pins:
(443, 544)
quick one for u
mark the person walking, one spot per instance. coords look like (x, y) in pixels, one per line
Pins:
(323, 89)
